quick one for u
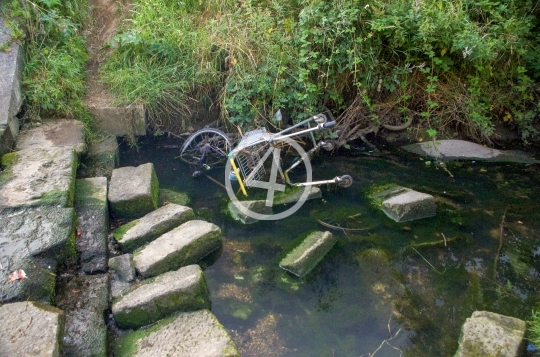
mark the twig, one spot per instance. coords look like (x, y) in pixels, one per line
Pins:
(501, 231)
(328, 225)
(388, 339)
(428, 261)
(444, 238)
(216, 181)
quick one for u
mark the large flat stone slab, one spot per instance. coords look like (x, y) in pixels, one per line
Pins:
(64, 133)
(133, 191)
(137, 233)
(181, 290)
(84, 299)
(302, 259)
(196, 333)
(39, 286)
(120, 121)
(448, 150)
(93, 219)
(31, 329)
(489, 334)
(184, 245)
(43, 176)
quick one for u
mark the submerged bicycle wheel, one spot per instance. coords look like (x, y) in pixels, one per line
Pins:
(206, 146)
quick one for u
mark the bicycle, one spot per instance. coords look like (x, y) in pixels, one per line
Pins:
(209, 146)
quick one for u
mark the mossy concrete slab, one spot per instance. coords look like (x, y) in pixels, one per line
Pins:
(302, 259)
(31, 329)
(93, 219)
(258, 206)
(189, 334)
(293, 194)
(181, 290)
(167, 195)
(134, 235)
(403, 204)
(184, 245)
(64, 133)
(120, 121)
(133, 191)
(34, 177)
(39, 286)
(488, 334)
(101, 159)
(84, 299)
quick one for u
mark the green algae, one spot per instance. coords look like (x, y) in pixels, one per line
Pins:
(119, 232)
(167, 195)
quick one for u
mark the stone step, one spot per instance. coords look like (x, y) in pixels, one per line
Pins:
(93, 218)
(302, 259)
(181, 290)
(31, 329)
(139, 232)
(61, 133)
(101, 159)
(84, 300)
(184, 245)
(189, 334)
(119, 121)
(133, 191)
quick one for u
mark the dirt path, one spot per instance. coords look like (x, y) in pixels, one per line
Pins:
(107, 16)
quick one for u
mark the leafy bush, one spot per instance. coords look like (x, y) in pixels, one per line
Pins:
(55, 55)
(461, 64)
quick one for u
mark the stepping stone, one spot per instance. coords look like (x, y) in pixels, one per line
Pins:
(11, 66)
(64, 133)
(302, 259)
(123, 273)
(403, 204)
(119, 121)
(93, 219)
(489, 334)
(197, 333)
(38, 177)
(184, 245)
(254, 206)
(101, 159)
(34, 239)
(30, 329)
(181, 290)
(84, 300)
(137, 233)
(133, 191)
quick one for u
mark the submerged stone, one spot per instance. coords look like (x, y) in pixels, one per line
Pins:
(133, 191)
(93, 219)
(184, 245)
(41, 176)
(254, 206)
(403, 204)
(84, 299)
(171, 196)
(64, 133)
(302, 259)
(292, 195)
(489, 334)
(134, 235)
(31, 329)
(181, 290)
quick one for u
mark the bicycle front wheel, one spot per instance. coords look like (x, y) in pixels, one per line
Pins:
(206, 146)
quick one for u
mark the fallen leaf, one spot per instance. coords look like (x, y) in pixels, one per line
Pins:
(16, 275)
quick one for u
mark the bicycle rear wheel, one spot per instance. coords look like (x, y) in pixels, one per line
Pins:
(206, 146)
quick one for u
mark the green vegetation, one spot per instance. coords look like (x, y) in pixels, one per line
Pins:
(55, 56)
(460, 65)
(534, 328)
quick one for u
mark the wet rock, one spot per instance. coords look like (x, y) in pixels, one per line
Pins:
(293, 195)
(184, 245)
(254, 206)
(302, 259)
(84, 299)
(133, 191)
(11, 65)
(135, 234)
(119, 121)
(403, 204)
(181, 290)
(93, 218)
(33, 177)
(196, 333)
(123, 267)
(489, 334)
(167, 196)
(30, 329)
(459, 149)
(102, 158)
(40, 284)
(64, 133)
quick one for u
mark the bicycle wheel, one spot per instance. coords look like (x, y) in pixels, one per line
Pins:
(206, 146)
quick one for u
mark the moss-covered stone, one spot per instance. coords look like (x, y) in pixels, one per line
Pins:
(119, 232)
(171, 196)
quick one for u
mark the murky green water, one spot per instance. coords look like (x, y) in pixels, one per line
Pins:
(380, 291)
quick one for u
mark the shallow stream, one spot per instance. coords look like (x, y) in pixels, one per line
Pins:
(385, 289)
